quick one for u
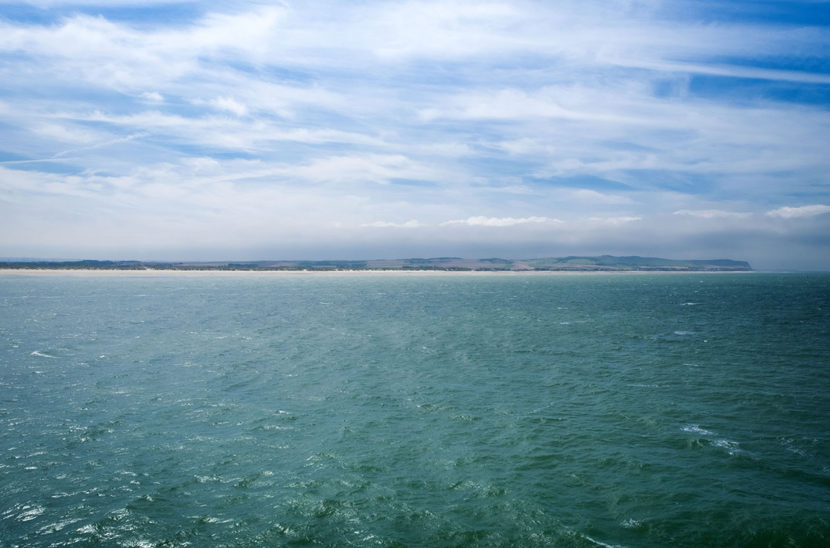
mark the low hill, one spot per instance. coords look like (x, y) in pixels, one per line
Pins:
(602, 263)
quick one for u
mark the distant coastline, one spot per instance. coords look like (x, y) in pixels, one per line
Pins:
(603, 263)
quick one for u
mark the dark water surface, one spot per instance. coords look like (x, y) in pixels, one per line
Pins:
(404, 410)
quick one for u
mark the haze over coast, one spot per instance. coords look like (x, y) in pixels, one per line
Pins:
(605, 263)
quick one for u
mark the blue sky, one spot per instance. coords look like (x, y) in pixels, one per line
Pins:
(263, 130)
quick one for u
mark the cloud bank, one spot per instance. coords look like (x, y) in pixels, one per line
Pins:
(376, 129)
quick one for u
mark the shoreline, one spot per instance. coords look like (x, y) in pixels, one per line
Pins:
(149, 272)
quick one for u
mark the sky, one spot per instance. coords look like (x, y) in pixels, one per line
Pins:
(363, 129)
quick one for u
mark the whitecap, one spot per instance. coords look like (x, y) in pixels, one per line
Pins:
(41, 354)
(211, 519)
(600, 543)
(275, 427)
(30, 512)
(681, 332)
(696, 429)
(790, 445)
(140, 544)
(57, 526)
(730, 446)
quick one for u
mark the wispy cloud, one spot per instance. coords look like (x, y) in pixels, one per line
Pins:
(615, 220)
(352, 124)
(712, 213)
(799, 212)
(501, 221)
(386, 224)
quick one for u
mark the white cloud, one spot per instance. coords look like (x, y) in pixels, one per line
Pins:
(65, 132)
(152, 96)
(223, 131)
(799, 212)
(248, 122)
(228, 104)
(615, 220)
(712, 213)
(384, 224)
(376, 168)
(516, 104)
(593, 197)
(501, 221)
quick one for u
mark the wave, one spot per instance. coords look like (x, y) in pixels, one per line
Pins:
(732, 447)
(600, 543)
(695, 429)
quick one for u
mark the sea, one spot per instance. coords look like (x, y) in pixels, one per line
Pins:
(407, 409)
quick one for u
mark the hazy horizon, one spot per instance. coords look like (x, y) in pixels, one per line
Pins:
(479, 261)
(312, 258)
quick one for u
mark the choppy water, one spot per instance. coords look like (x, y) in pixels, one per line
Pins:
(447, 410)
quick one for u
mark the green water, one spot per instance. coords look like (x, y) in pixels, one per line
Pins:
(404, 410)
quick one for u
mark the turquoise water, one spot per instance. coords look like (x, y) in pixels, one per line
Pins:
(405, 410)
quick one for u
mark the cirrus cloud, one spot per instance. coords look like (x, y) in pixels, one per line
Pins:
(334, 121)
(501, 221)
(799, 212)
